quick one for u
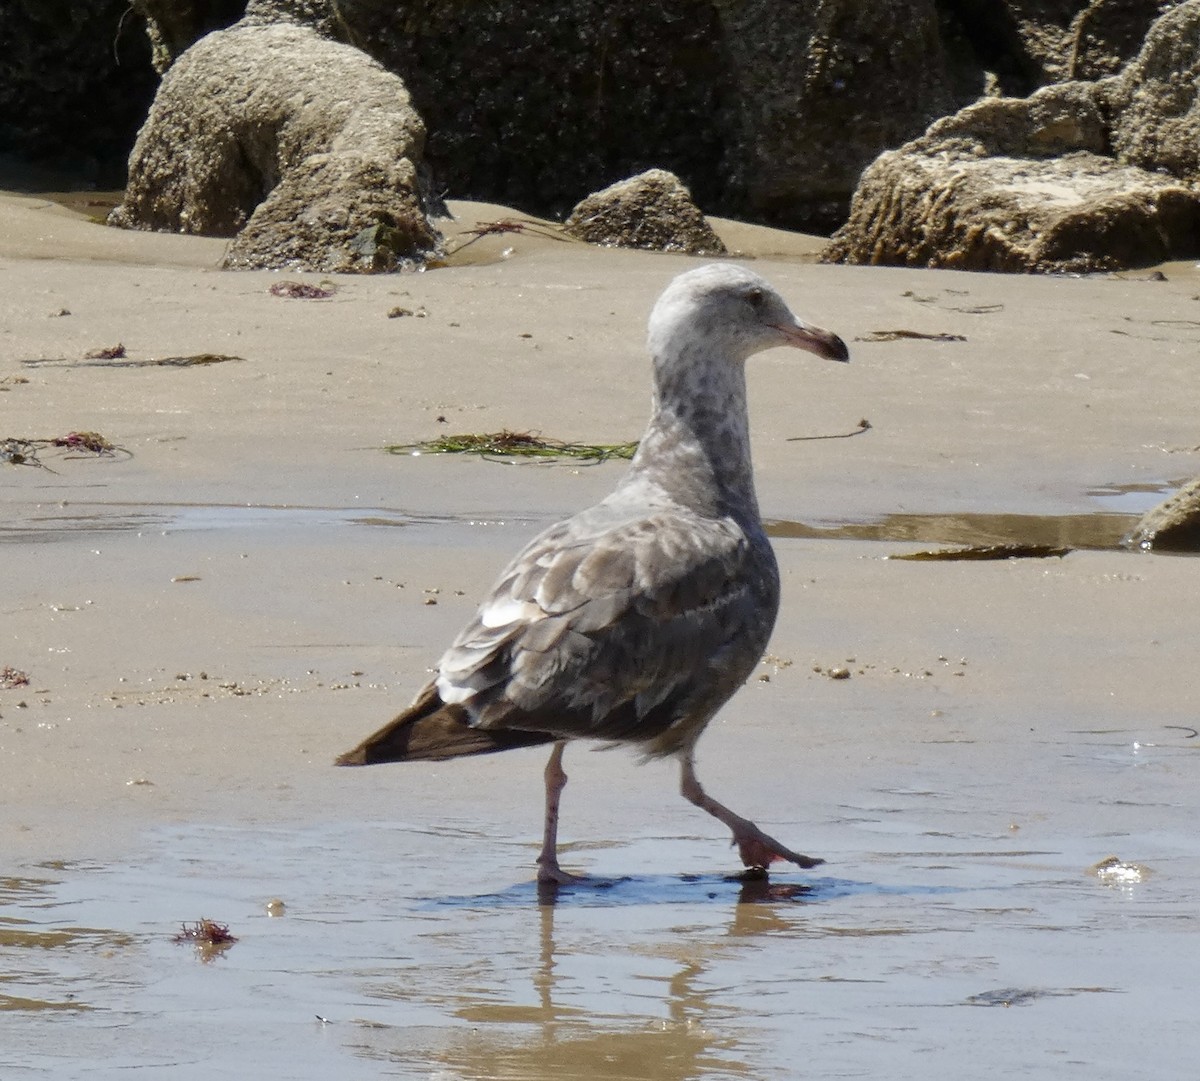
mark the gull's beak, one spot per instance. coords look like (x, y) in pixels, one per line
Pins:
(823, 343)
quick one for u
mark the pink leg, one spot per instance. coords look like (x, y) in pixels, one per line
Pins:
(755, 847)
(556, 781)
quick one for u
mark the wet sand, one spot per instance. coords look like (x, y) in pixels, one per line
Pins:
(208, 619)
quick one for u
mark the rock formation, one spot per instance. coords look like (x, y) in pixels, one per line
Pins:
(1155, 101)
(1076, 177)
(652, 210)
(771, 109)
(299, 147)
(1017, 185)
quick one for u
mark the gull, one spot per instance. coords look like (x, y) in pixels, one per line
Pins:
(634, 621)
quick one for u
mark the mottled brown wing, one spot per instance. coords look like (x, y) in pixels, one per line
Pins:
(621, 630)
(430, 729)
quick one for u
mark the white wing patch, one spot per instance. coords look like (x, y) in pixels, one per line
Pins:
(451, 694)
(507, 611)
(464, 669)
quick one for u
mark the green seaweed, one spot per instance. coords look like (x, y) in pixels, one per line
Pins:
(506, 444)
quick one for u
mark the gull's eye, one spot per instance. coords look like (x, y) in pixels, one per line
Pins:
(756, 298)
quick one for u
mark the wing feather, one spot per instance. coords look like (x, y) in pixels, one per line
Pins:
(617, 629)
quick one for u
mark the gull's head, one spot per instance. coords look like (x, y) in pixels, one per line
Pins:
(725, 308)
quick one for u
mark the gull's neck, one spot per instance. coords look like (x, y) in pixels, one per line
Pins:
(696, 450)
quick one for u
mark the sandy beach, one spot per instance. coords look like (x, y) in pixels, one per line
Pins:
(251, 583)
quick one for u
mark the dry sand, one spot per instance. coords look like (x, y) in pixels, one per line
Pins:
(207, 618)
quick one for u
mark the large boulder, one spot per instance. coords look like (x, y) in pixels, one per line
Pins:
(1021, 185)
(301, 148)
(652, 211)
(1078, 213)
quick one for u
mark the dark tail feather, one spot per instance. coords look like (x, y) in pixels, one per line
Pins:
(430, 729)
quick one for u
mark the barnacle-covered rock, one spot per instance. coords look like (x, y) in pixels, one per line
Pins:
(652, 210)
(301, 148)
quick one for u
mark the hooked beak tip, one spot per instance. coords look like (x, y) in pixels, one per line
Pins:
(816, 340)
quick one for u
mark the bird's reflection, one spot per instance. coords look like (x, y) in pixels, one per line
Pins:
(752, 889)
(582, 1006)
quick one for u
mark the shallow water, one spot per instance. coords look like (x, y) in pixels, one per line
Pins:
(956, 930)
(1116, 514)
(375, 972)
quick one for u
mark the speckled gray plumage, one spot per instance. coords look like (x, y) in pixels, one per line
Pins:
(627, 624)
(636, 619)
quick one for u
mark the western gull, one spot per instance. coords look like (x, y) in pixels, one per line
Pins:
(634, 621)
